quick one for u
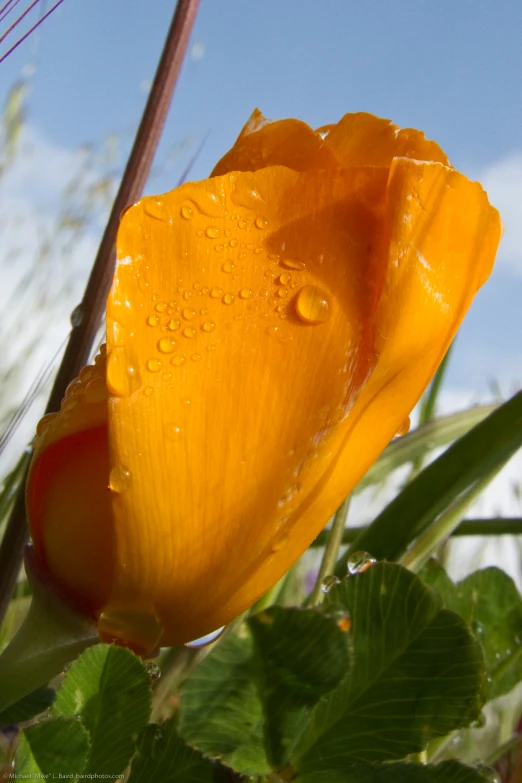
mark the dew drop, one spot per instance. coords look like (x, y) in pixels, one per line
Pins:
(208, 326)
(273, 331)
(289, 263)
(122, 377)
(187, 295)
(280, 308)
(96, 390)
(173, 325)
(228, 267)
(172, 432)
(285, 278)
(188, 331)
(119, 479)
(328, 582)
(245, 293)
(44, 423)
(229, 299)
(241, 224)
(216, 293)
(153, 365)
(212, 232)
(204, 311)
(404, 428)
(147, 391)
(77, 315)
(360, 562)
(312, 305)
(188, 313)
(161, 307)
(258, 250)
(280, 542)
(342, 619)
(166, 345)
(207, 639)
(477, 628)
(177, 361)
(195, 357)
(187, 212)
(153, 320)
(282, 292)
(233, 243)
(154, 209)
(153, 670)
(261, 222)
(135, 627)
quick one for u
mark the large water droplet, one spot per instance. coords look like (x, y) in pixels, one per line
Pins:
(216, 293)
(153, 320)
(285, 278)
(154, 365)
(129, 625)
(208, 326)
(282, 292)
(207, 639)
(360, 562)
(328, 582)
(212, 232)
(189, 332)
(161, 307)
(173, 325)
(228, 299)
(404, 428)
(96, 390)
(188, 313)
(119, 479)
(228, 267)
(186, 211)
(261, 223)
(167, 345)
(312, 305)
(122, 376)
(209, 204)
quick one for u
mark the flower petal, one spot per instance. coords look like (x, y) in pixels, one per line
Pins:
(217, 307)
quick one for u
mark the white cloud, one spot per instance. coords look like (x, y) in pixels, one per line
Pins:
(503, 182)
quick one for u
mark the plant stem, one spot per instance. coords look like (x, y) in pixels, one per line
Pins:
(512, 743)
(494, 526)
(331, 552)
(93, 304)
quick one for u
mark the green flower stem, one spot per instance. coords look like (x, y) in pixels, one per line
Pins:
(494, 526)
(51, 636)
(442, 528)
(331, 552)
(512, 743)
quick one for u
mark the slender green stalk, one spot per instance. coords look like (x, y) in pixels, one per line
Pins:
(424, 546)
(494, 526)
(92, 307)
(512, 743)
(331, 552)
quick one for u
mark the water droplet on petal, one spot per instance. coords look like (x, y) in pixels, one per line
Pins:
(166, 345)
(228, 267)
(212, 232)
(328, 582)
(134, 627)
(360, 562)
(245, 293)
(228, 299)
(404, 428)
(147, 391)
(241, 224)
(187, 212)
(233, 243)
(261, 222)
(289, 263)
(177, 361)
(189, 332)
(119, 479)
(312, 305)
(216, 293)
(173, 325)
(282, 292)
(96, 390)
(161, 307)
(155, 209)
(280, 542)
(153, 320)
(195, 357)
(153, 365)
(285, 278)
(188, 313)
(207, 639)
(122, 377)
(208, 326)
(172, 432)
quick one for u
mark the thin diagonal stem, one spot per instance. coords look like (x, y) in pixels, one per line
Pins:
(31, 30)
(7, 8)
(331, 552)
(92, 307)
(2, 37)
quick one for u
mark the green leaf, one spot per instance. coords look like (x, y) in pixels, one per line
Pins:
(302, 655)
(446, 772)
(489, 601)
(417, 443)
(418, 674)
(54, 747)
(162, 756)
(32, 704)
(109, 690)
(447, 481)
(221, 713)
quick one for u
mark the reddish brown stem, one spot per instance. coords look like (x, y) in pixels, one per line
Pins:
(93, 304)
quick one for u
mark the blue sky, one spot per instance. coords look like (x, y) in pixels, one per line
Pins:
(452, 69)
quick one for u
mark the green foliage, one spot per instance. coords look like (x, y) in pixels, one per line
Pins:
(418, 673)
(490, 603)
(447, 772)
(162, 756)
(32, 704)
(55, 747)
(108, 689)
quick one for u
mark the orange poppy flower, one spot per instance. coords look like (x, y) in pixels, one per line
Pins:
(269, 330)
